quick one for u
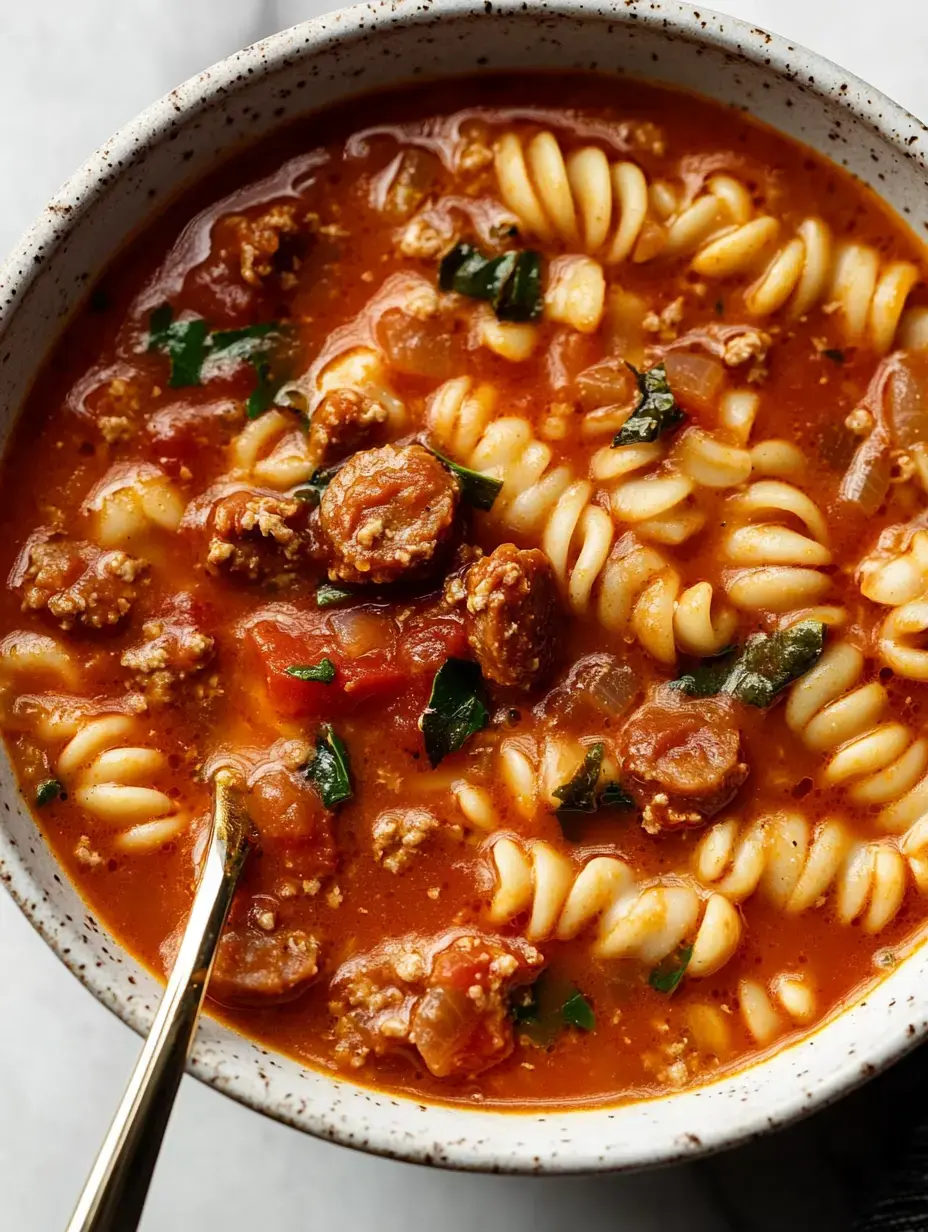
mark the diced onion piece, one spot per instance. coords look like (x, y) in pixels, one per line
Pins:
(608, 383)
(906, 406)
(866, 480)
(696, 380)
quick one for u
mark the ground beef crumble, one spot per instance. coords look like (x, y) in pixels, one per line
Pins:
(76, 582)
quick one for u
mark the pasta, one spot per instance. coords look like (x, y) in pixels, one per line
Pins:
(108, 780)
(611, 210)
(795, 866)
(273, 451)
(776, 567)
(132, 502)
(643, 922)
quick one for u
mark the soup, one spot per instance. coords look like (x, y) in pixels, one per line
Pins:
(528, 504)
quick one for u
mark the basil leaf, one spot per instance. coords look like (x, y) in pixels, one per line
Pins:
(184, 342)
(314, 487)
(328, 595)
(769, 662)
(47, 791)
(580, 795)
(552, 1003)
(614, 795)
(456, 708)
(255, 344)
(577, 1012)
(322, 672)
(477, 489)
(330, 769)
(657, 411)
(510, 282)
(764, 666)
(668, 974)
(244, 343)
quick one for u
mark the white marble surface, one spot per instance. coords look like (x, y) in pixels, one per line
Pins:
(71, 73)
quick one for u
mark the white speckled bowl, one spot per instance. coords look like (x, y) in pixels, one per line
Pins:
(175, 141)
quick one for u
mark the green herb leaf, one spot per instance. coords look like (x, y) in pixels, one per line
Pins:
(244, 343)
(330, 769)
(255, 344)
(322, 672)
(456, 709)
(614, 795)
(552, 1003)
(314, 487)
(580, 794)
(832, 353)
(184, 342)
(47, 791)
(510, 282)
(578, 1012)
(477, 489)
(328, 595)
(657, 411)
(668, 974)
(764, 666)
(769, 662)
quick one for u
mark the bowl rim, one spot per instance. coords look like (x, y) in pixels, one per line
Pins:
(891, 124)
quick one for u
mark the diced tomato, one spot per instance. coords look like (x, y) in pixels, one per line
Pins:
(372, 660)
(457, 969)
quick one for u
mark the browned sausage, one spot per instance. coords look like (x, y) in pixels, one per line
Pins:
(344, 421)
(256, 968)
(513, 615)
(388, 514)
(682, 759)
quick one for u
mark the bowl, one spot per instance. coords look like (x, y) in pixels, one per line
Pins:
(146, 164)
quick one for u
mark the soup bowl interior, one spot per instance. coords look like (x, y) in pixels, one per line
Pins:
(124, 184)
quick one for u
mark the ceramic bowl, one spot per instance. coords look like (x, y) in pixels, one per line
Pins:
(129, 180)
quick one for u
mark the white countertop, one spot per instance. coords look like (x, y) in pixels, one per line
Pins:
(71, 74)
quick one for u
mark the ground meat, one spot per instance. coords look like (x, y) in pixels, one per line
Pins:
(262, 241)
(514, 617)
(682, 759)
(343, 422)
(388, 514)
(399, 833)
(447, 997)
(254, 967)
(261, 535)
(75, 581)
(174, 649)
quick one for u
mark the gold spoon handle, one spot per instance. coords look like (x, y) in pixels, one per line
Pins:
(116, 1189)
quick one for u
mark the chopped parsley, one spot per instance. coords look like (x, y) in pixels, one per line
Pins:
(322, 672)
(511, 282)
(330, 769)
(456, 710)
(542, 1011)
(315, 486)
(328, 595)
(657, 410)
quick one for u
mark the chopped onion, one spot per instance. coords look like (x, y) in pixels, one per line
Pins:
(419, 348)
(906, 405)
(359, 631)
(866, 480)
(599, 681)
(696, 380)
(609, 383)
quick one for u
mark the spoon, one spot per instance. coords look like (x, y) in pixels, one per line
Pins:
(116, 1189)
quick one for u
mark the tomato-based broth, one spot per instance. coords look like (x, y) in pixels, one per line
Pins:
(526, 504)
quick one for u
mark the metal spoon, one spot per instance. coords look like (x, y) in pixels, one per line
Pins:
(117, 1187)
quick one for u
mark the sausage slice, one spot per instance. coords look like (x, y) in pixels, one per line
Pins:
(388, 514)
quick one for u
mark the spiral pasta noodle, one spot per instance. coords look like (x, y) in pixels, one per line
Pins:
(611, 210)
(26, 655)
(631, 587)
(775, 567)
(106, 775)
(767, 1009)
(646, 922)
(795, 865)
(130, 503)
(272, 452)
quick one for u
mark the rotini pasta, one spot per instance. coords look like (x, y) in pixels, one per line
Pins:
(646, 922)
(36, 656)
(108, 778)
(612, 211)
(273, 451)
(795, 865)
(130, 503)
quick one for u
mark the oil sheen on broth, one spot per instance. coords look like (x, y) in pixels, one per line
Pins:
(529, 503)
